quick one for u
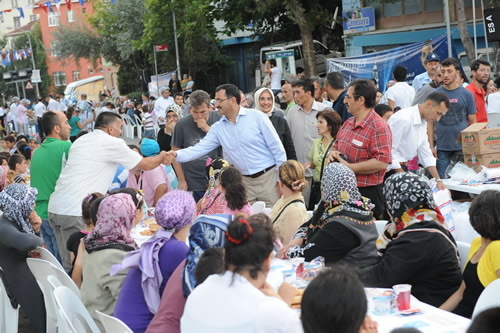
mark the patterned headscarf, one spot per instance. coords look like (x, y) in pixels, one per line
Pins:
(409, 200)
(3, 176)
(17, 202)
(213, 169)
(174, 211)
(114, 221)
(207, 231)
(340, 191)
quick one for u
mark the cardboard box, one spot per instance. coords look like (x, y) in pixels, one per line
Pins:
(488, 160)
(477, 139)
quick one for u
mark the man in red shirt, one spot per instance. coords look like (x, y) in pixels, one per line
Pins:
(365, 141)
(480, 74)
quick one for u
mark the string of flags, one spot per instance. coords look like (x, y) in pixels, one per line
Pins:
(46, 6)
(14, 55)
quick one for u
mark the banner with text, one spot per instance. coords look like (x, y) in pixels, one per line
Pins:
(380, 65)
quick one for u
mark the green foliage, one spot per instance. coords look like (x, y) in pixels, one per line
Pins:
(136, 94)
(76, 41)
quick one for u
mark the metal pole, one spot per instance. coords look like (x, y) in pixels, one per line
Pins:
(17, 90)
(176, 46)
(474, 27)
(447, 20)
(33, 62)
(156, 72)
(24, 92)
(485, 35)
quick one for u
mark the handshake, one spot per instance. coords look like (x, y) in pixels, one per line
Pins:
(169, 157)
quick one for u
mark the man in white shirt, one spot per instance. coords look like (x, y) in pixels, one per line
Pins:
(409, 134)
(91, 167)
(13, 113)
(53, 104)
(159, 114)
(62, 105)
(40, 109)
(401, 93)
(275, 73)
(319, 90)
(302, 122)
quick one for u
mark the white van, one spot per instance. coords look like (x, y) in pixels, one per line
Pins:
(320, 50)
(92, 87)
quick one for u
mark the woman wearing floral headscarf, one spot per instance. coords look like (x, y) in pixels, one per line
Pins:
(105, 246)
(17, 239)
(416, 247)
(152, 265)
(342, 229)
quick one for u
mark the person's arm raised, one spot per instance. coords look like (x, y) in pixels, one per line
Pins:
(148, 163)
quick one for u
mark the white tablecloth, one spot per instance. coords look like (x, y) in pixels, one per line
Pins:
(431, 320)
(454, 185)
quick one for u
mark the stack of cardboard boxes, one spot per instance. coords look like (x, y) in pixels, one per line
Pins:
(481, 146)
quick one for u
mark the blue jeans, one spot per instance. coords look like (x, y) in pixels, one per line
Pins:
(197, 195)
(50, 239)
(444, 160)
(150, 134)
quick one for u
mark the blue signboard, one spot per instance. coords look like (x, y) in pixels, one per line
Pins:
(359, 20)
(380, 65)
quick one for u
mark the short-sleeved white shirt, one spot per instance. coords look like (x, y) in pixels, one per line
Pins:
(402, 94)
(275, 78)
(91, 166)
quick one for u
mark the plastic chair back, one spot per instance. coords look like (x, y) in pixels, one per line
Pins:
(489, 298)
(258, 206)
(9, 316)
(42, 270)
(48, 256)
(112, 324)
(463, 251)
(73, 312)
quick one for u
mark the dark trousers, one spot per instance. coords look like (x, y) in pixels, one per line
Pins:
(376, 195)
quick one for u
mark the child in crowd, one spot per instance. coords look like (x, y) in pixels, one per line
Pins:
(384, 111)
(74, 244)
(17, 163)
(217, 304)
(234, 193)
(4, 158)
(148, 122)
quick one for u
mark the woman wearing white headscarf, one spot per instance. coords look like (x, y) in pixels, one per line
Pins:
(264, 101)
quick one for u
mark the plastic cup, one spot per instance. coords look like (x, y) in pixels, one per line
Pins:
(403, 293)
(382, 305)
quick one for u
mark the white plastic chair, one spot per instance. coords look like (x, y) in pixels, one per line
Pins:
(42, 270)
(310, 214)
(128, 130)
(46, 255)
(463, 252)
(258, 206)
(76, 317)
(112, 324)
(9, 316)
(488, 298)
(138, 125)
(380, 224)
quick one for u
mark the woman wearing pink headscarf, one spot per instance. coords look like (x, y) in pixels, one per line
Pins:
(105, 246)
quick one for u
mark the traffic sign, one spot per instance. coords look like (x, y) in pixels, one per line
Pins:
(29, 85)
(161, 48)
(35, 76)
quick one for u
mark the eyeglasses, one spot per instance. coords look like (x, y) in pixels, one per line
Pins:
(219, 101)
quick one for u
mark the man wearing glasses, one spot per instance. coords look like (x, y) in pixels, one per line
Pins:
(249, 142)
(409, 134)
(365, 141)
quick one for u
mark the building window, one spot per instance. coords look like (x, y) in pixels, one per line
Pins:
(53, 19)
(101, 69)
(433, 6)
(84, 10)
(392, 9)
(91, 71)
(412, 6)
(14, 4)
(76, 75)
(33, 18)
(59, 79)
(17, 22)
(71, 16)
(53, 49)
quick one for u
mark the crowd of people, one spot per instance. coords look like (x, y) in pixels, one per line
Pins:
(327, 146)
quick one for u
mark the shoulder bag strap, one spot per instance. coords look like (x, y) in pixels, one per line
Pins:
(291, 202)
